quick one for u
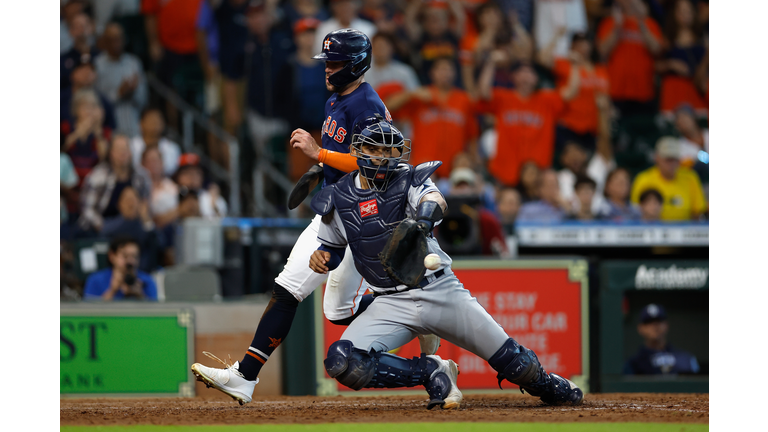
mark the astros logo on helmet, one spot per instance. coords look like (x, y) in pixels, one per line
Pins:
(327, 44)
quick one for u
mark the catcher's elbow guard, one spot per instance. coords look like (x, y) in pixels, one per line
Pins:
(430, 213)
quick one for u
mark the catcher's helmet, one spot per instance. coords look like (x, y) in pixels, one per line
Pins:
(346, 45)
(376, 131)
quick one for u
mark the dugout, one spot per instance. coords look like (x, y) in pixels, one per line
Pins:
(626, 286)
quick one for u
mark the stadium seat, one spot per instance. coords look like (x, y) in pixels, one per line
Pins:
(185, 283)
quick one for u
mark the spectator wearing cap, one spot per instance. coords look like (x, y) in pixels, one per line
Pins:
(302, 81)
(443, 118)
(103, 186)
(82, 51)
(616, 205)
(579, 120)
(269, 47)
(344, 14)
(525, 118)
(657, 356)
(680, 187)
(153, 136)
(651, 204)
(120, 78)
(434, 29)
(628, 41)
(468, 226)
(550, 207)
(190, 177)
(684, 58)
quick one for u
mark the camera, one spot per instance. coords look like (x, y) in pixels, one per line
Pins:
(130, 276)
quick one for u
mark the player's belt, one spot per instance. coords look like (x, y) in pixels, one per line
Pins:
(421, 285)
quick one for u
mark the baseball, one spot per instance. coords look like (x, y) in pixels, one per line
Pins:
(432, 261)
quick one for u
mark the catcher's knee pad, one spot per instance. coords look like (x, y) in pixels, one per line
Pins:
(515, 363)
(350, 366)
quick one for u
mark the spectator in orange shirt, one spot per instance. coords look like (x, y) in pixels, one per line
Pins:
(684, 59)
(578, 122)
(525, 118)
(171, 33)
(628, 41)
(443, 118)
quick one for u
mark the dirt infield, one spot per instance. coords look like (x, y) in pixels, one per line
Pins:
(609, 407)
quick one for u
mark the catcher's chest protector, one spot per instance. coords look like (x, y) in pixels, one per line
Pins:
(369, 218)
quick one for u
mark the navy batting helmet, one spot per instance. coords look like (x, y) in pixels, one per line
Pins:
(348, 45)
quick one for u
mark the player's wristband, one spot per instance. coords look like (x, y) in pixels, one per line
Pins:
(337, 254)
(341, 161)
(429, 212)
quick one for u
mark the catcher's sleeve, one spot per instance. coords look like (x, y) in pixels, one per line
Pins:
(341, 161)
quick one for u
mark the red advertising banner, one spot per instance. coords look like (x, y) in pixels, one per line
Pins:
(541, 307)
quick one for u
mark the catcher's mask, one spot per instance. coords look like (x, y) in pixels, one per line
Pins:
(377, 166)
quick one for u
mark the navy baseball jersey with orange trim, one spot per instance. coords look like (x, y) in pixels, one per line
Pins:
(341, 115)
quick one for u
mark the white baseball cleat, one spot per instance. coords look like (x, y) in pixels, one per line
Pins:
(438, 387)
(229, 380)
(429, 344)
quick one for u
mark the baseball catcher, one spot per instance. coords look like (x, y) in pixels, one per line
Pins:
(382, 214)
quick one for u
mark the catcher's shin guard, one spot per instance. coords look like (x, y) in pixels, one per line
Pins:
(520, 365)
(356, 368)
(350, 366)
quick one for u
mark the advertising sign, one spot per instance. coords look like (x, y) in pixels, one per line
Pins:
(126, 352)
(541, 304)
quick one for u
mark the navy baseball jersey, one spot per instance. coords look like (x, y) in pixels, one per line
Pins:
(669, 360)
(341, 115)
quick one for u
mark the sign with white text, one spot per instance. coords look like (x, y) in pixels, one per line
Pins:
(541, 304)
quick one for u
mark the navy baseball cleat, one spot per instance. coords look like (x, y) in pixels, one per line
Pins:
(553, 389)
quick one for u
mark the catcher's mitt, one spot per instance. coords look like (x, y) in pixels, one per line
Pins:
(305, 185)
(403, 255)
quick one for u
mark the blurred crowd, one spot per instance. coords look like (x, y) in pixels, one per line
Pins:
(541, 110)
